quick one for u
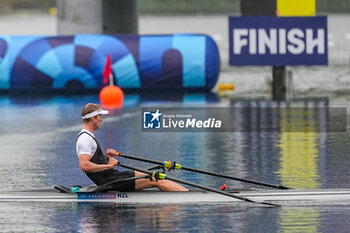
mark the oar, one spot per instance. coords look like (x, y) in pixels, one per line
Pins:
(113, 183)
(164, 176)
(203, 172)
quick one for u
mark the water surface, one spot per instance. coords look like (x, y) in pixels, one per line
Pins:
(38, 150)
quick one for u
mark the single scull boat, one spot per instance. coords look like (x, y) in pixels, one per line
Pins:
(195, 196)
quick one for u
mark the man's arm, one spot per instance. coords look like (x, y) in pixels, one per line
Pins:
(87, 166)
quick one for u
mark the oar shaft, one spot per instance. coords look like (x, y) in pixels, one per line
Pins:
(118, 182)
(233, 178)
(197, 185)
(206, 172)
(207, 188)
(141, 159)
(135, 168)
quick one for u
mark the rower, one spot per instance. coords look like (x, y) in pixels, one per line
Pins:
(99, 167)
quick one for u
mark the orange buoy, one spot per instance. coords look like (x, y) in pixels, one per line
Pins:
(226, 87)
(230, 87)
(222, 87)
(111, 97)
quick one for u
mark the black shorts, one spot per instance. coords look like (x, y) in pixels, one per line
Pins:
(128, 186)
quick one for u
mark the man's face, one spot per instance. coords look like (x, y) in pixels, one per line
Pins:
(96, 121)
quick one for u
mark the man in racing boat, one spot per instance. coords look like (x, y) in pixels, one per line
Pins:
(99, 167)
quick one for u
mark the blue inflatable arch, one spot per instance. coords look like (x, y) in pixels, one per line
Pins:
(139, 62)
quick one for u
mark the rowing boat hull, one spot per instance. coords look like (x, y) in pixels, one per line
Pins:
(293, 195)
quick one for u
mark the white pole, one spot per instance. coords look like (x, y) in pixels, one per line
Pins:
(111, 79)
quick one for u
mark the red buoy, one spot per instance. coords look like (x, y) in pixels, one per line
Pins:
(111, 97)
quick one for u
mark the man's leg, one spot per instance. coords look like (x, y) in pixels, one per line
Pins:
(162, 185)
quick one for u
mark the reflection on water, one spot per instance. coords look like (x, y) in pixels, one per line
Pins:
(299, 220)
(298, 150)
(298, 166)
(298, 160)
(110, 217)
(93, 217)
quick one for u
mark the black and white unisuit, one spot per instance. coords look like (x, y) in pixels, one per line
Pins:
(87, 144)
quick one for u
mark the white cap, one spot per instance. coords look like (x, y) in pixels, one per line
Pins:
(95, 113)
